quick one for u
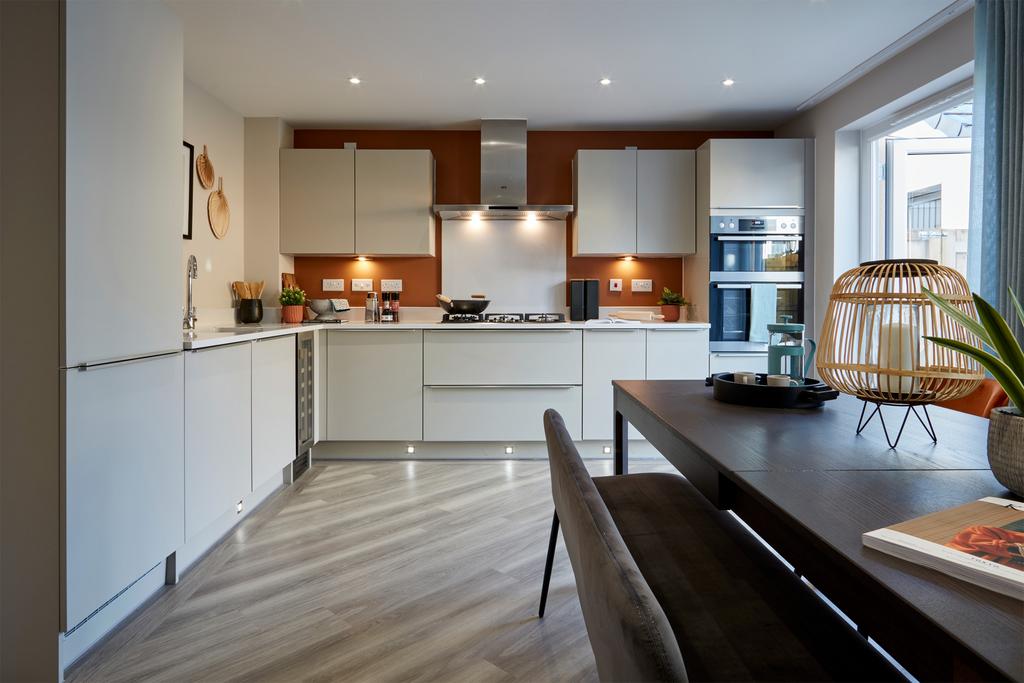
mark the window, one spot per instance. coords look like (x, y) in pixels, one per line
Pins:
(919, 186)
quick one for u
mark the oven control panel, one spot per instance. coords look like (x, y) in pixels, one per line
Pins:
(757, 224)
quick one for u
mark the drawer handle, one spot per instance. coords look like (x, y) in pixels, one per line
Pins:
(501, 386)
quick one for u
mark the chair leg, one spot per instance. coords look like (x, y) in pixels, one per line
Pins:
(548, 564)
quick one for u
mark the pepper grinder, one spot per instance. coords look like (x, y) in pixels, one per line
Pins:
(372, 310)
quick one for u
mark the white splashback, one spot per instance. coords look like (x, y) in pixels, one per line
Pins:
(519, 265)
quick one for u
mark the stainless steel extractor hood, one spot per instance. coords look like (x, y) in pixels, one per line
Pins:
(503, 178)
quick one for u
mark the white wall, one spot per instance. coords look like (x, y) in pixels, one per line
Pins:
(935, 62)
(210, 122)
(264, 139)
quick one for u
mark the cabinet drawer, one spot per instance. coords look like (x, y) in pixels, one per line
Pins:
(739, 362)
(124, 500)
(677, 354)
(475, 357)
(497, 413)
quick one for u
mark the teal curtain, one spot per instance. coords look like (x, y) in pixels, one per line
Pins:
(996, 247)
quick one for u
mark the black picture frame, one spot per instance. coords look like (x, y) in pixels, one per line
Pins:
(189, 159)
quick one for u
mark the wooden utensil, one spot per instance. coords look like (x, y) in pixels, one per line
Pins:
(204, 170)
(218, 211)
(642, 316)
(288, 281)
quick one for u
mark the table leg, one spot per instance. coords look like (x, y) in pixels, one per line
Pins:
(621, 444)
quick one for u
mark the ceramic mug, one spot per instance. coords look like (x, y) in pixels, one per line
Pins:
(781, 381)
(744, 377)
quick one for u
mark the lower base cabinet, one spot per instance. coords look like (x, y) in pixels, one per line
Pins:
(677, 354)
(608, 355)
(738, 362)
(124, 487)
(498, 413)
(273, 406)
(218, 432)
(375, 385)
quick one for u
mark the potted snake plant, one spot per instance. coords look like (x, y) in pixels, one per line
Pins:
(293, 305)
(1004, 359)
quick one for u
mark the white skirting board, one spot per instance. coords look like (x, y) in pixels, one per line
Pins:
(450, 450)
(95, 628)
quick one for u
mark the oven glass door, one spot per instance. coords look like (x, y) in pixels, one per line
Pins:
(757, 254)
(730, 313)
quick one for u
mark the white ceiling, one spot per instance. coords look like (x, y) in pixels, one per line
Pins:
(542, 59)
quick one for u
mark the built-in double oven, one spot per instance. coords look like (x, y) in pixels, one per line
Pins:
(757, 276)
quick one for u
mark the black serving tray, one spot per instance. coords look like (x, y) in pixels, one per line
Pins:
(812, 394)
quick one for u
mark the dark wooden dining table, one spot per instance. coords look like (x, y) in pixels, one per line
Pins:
(806, 483)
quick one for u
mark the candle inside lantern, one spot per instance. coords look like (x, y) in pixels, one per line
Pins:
(897, 350)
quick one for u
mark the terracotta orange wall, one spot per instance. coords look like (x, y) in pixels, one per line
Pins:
(549, 181)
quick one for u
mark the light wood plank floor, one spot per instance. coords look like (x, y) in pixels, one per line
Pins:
(371, 571)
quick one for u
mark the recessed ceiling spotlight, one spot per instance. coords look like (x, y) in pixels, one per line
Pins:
(479, 80)
(728, 82)
(355, 80)
(605, 81)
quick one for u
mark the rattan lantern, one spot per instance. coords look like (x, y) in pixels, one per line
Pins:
(873, 342)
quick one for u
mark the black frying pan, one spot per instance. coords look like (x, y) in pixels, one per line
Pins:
(472, 306)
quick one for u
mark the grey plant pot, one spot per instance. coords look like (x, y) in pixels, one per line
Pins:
(1006, 448)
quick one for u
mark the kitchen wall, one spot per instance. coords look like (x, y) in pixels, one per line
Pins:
(208, 121)
(549, 181)
(937, 61)
(264, 139)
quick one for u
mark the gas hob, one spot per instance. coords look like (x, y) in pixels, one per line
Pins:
(504, 318)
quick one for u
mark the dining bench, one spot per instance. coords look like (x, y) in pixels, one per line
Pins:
(673, 589)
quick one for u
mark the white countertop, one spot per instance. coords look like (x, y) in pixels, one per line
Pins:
(218, 336)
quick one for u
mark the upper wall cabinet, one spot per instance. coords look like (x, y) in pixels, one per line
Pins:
(318, 201)
(633, 202)
(665, 187)
(344, 201)
(604, 194)
(756, 174)
(394, 194)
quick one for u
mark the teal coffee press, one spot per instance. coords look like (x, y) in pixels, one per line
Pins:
(786, 349)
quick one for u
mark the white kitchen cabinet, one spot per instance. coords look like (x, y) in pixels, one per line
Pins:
(124, 468)
(738, 362)
(375, 385)
(497, 413)
(604, 196)
(121, 255)
(608, 355)
(634, 202)
(317, 201)
(677, 353)
(756, 173)
(394, 199)
(218, 436)
(665, 187)
(273, 407)
(503, 357)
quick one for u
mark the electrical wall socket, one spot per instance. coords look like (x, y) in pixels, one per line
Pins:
(333, 285)
(391, 285)
(641, 285)
(362, 285)
(615, 284)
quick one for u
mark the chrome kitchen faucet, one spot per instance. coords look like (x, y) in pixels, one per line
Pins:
(192, 270)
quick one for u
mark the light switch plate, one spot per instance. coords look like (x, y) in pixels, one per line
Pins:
(333, 284)
(641, 285)
(362, 285)
(615, 284)
(391, 285)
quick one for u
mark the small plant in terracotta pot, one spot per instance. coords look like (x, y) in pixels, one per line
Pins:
(1006, 365)
(293, 305)
(670, 303)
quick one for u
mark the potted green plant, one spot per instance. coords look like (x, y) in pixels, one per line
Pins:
(293, 305)
(1004, 359)
(671, 304)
